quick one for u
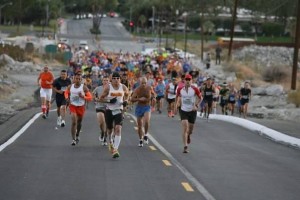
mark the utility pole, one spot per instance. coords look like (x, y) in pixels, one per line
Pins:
(202, 32)
(232, 29)
(153, 20)
(176, 22)
(185, 34)
(296, 51)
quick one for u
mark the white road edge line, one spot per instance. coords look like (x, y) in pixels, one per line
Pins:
(187, 174)
(19, 133)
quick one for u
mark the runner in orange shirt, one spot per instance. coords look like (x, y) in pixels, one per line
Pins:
(45, 81)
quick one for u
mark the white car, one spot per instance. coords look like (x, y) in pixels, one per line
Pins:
(83, 44)
(64, 40)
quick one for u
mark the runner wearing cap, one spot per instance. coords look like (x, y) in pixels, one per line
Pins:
(188, 97)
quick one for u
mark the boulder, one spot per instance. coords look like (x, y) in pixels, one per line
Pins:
(275, 90)
(7, 59)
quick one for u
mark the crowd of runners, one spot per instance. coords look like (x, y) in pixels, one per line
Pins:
(120, 82)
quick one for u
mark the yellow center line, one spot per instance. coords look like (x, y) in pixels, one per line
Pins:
(167, 163)
(187, 187)
(152, 148)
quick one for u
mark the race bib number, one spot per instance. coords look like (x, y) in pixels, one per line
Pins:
(187, 101)
(75, 99)
(115, 112)
(63, 88)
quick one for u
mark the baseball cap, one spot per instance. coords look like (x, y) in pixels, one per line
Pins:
(188, 76)
(116, 74)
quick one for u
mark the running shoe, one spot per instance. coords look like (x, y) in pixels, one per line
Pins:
(104, 143)
(101, 138)
(63, 123)
(141, 143)
(169, 114)
(189, 139)
(146, 140)
(110, 147)
(58, 121)
(77, 139)
(73, 143)
(115, 153)
(172, 114)
(44, 116)
(185, 149)
(47, 113)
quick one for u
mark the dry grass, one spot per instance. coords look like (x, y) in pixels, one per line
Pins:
(5, 91)
(294, 97)
(242, 71)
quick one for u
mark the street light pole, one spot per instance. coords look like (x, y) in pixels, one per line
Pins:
(176, 22)
(153, 16)
(6, 4)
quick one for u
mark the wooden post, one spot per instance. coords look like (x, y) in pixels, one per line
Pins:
(232, 29)
(296, 51)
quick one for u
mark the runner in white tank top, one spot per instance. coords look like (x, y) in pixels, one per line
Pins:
(116, 95)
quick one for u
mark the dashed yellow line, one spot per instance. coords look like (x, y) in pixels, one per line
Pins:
(167, 163)
(152, 148)
(187, 187)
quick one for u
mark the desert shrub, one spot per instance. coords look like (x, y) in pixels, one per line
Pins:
(242, 71)
(294, 97)
(275, 74)
(56, 56)
(14, 52)
(29, 48)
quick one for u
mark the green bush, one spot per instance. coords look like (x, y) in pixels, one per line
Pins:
(273, 29)
(294, 97)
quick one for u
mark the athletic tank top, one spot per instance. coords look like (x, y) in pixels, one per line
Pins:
(119, 93)
(208, 93)
(74, 95)
(245, 93)
(172, 91)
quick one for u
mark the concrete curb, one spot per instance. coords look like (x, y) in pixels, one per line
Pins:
(260, 129)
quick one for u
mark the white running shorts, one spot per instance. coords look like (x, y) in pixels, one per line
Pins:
(46, 93)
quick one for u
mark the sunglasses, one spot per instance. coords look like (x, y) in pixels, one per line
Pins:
(115, 77)
(187, 79)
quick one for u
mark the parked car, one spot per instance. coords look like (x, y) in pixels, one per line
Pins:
(83, 44)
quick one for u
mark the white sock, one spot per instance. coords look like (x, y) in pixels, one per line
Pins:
(117, 141)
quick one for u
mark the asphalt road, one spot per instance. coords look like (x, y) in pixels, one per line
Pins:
(114, 36)
(226, 162)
